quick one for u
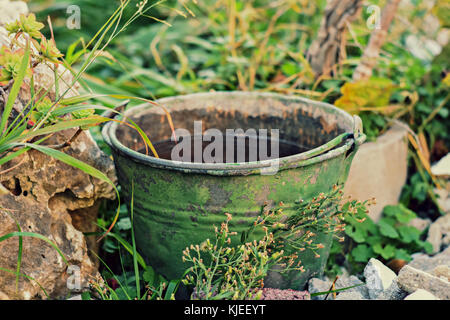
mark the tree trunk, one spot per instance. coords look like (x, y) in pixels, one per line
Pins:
(325, 52)
(377, 38)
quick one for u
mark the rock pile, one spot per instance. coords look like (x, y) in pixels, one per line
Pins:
(424, 278)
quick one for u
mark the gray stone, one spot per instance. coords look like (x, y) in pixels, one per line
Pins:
(344, 281)
(394, 292)
(442, 167)
(424, 262)
(421, 294)
(378, 277)
(350, 281)
(439, 233)
(411, 279)
(442, 272)
(316, 285)
(443, 198)
(11, 10)
(420, 224)
(350, 295)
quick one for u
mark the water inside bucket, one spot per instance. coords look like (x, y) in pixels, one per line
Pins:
(235, 149)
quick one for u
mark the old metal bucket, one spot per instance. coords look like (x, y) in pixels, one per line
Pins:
(177, 203)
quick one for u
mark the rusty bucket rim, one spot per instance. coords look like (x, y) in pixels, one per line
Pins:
(246, 168)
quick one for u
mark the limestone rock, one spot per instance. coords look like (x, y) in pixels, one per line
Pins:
(11, 10)
(344, 281)
(378, 277)
(3, 296)
(350, 295)
(421, 295)
(442, 272)
(316, 285)
(420, 224)
(387, 158)
(350, 281)
(411, 279)
(47, 197)
(442, 167)
(394, 292)
(55, 200)
(443, 199)
(439, 233)
(426, 263)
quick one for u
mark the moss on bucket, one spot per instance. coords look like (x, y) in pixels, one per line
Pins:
(177, 203)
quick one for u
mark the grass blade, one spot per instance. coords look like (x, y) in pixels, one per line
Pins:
(135, 264)
(15, 88)
(34, 235)
(27, 277)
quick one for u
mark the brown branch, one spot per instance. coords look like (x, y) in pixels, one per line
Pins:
(326, 51)
(377, 39)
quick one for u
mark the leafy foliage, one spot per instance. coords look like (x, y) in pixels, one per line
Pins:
(220, 270)
(391, 238)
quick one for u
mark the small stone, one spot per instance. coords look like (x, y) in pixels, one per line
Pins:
(421, 294)
(350, 295)
(11, 11)
(420, 224)
(288, 294)
(316, 285)
(439, 233)
(3, 296)
(394, 292)
(442, 167)
(443, 199)
(77, 297)
(426, 263)
(346, 281)
(442, 272)
(411, 279)
(378, 277)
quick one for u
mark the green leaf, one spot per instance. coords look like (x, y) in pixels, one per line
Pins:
(362, 253)
(15, 88)
(124, 224)
(171, 289)
(387, 252)
(71, 161)
(399, 212)
(61, 126)
(402, 254)
(149, 276)
(86, 296)
(374, 92)
(290, 68)
(408, 234)
(387, 229)
(357, 234)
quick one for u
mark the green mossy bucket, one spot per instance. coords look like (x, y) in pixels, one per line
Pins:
(176, 203)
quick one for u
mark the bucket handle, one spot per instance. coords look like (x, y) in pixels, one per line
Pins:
(358, 134)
